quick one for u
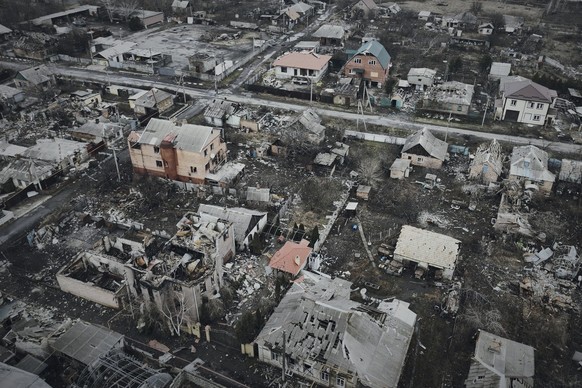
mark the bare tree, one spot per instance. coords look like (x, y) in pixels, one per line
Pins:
(109, 6)
(175, 310)
(478, 316)
(370, 171)
(127, 7)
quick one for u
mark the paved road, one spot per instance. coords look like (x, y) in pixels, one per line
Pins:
(249, 98)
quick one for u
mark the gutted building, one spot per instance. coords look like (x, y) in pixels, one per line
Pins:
(425, 150)
(449, 97)
(421, 77)
(487, 164)
(317, 333)
(184, 153)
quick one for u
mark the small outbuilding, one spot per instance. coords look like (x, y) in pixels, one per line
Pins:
(429, 250)
(400, 169)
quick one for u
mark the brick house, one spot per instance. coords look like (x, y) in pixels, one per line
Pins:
(185, 153)
(371, 63)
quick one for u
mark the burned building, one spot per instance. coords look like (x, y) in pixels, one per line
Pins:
(487, 164)
(450, 97)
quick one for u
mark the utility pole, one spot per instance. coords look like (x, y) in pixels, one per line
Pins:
(485, 113)
(283, 358)
(116, 164)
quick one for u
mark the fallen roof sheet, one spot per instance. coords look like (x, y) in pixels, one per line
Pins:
(188, 137)
(15, 377)
(85, 342)
(244, 220)
(4, 30)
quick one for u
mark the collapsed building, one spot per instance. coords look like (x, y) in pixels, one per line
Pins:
(317, 333)
(487, 164)
(450, 97)
(172, 280)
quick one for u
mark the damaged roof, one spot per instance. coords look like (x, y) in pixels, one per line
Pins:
(497, 359)
(54, 150)
(423, 246)
(424, 138)
(375, 49)
(152, 97)
(7, 92)
(329, 31)
(451, 92)
(489, 154)
(303, 60)
(323, 326)
(85, 342)
(26, 170)
(311, 121)
(244, 220)
(4, 30)
(421, 72)
(292, 257)
(10, 150)
(16, 377)
(532, 163)
(36, 75)
(187, 137)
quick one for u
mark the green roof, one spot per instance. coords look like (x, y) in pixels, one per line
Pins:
(376, 49)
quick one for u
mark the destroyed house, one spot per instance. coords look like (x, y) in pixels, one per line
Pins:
(12, 376)
(529, 165)
(218, 111)
(9, 97)
(177, 279)
(40, 77)
(98, 131)
(184, 153)
(21, 173)
(449, 97)
(425, 150)
(371, 63)
(499, 363)
(525, 101)
(247, 223)
(428, 250)
(96, 277)
(292, 257)
(308, 65)
(487, 164)
(317, 333)
(306, 127)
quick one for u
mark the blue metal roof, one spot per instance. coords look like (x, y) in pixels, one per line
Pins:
(376, 49)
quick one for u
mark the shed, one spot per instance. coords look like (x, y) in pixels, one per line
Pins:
(351, 208)
(363, 192)
(400, 169)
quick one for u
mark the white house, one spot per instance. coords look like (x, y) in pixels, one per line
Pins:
(486, 29)
(524, 101)
(421, 78)
(302, 65)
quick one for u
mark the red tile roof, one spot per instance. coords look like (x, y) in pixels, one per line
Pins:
(291, 258)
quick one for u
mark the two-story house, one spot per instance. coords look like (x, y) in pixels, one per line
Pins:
(421, 77)
(370, 62)
(185, 153)
(524, 101)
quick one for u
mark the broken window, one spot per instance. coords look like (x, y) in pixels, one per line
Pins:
(151, 294)
(275, 356)
(459, 108)
(340, 382)
(165, 163)
(205, 152)
(371, 62)
(158, 163)
(207, 167)
(283, 69)
(325, 376)
(513, 102)
(126, 247)
(193, 169)
(540, 106)
(157, 150)
(536, 118)
(530, 104)
(358, 60)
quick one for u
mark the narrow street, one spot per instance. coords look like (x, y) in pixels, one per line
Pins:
(297, 105)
